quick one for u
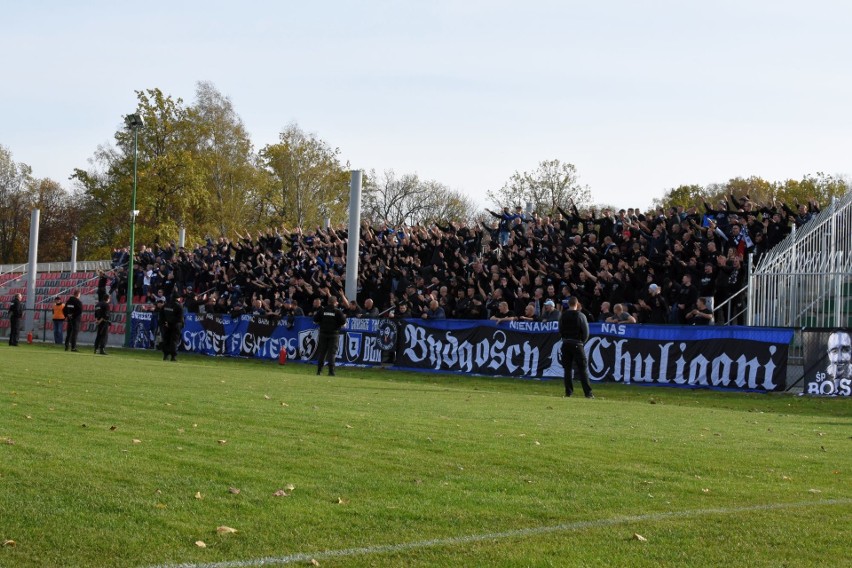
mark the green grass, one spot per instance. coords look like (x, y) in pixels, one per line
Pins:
(380, 458)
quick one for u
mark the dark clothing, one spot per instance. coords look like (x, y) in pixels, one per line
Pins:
(102, 321)
(659, 309)
(16, 312)
(171, 324)
(574, 329)
(330, 320)
(687, 296)
(73, 313)
(573, 325)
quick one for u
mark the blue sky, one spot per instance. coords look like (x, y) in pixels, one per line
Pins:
(639, 96)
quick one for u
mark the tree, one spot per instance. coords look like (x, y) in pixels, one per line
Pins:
(683, 195)
(231, 172)
(59, 219)
(553, 184)
(15, 206)
(409, 200)
(820, 188)
(170, 182)
(307, 181)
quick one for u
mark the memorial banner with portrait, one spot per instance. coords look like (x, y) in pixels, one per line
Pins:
(828, 362)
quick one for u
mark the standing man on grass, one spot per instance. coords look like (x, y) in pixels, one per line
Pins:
(16, 312)
(102, 322)
(330, 319)
(171, 324)
(574, 329)
(73, 312)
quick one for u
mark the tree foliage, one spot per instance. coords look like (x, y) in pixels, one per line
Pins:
(307, 181)
(15, 182)
(552, 184)
(231, 173)
(820, 188)
(20, 193)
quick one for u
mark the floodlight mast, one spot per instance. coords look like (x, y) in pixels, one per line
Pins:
(133, 122)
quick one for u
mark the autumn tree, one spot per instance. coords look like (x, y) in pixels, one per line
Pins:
(170, 176)
(231, 174)
(307, 182)
(406, 199)
(15, 207)
(59, 219)
(820, 188)
(681, 196)
(553, 184)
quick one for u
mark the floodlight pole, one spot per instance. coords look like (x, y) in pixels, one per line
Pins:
(133, 121)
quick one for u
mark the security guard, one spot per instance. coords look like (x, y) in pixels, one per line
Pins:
(16, 312)
(330, 319)
(102, 321)
(171, 324)
(574, 329)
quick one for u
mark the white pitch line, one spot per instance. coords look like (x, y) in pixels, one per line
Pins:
(534, 531)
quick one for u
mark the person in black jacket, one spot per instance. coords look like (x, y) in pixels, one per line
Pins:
(102, 321)
(73, 313)
(171, 324)
(574, 329)
(330, 319)
(16, 312)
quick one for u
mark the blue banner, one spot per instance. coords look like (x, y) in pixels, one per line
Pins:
(729, 357)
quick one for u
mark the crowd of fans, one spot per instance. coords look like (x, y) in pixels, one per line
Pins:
(665, 266)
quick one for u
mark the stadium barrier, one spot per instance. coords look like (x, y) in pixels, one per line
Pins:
(730, 358)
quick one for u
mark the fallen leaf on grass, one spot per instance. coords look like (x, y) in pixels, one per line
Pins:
(342, 501)
(705, 490)
(29, 417)
(267, 397)
(161, 506)
(233, 490)
(225, 530)
(198, 495)
(9, 441)
(113, 428)
(284, 404)
(200, 544)
(290, 487)
(10, 543)
(137, 441)
(314, 562)
(280, 493)
(639, 537)
(348, 426)
(222, 442)
(814, 491)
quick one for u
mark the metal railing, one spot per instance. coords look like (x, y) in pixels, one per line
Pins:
(806, 280)
(82, 266)
(732, 311)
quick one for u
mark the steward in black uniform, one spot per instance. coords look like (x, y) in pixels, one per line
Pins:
(574, 329)
(171, 324)
(102, 321)
(73, 311)
(16, 312)
(330, 319)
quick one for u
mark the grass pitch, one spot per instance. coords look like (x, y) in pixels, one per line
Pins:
(127, 460)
